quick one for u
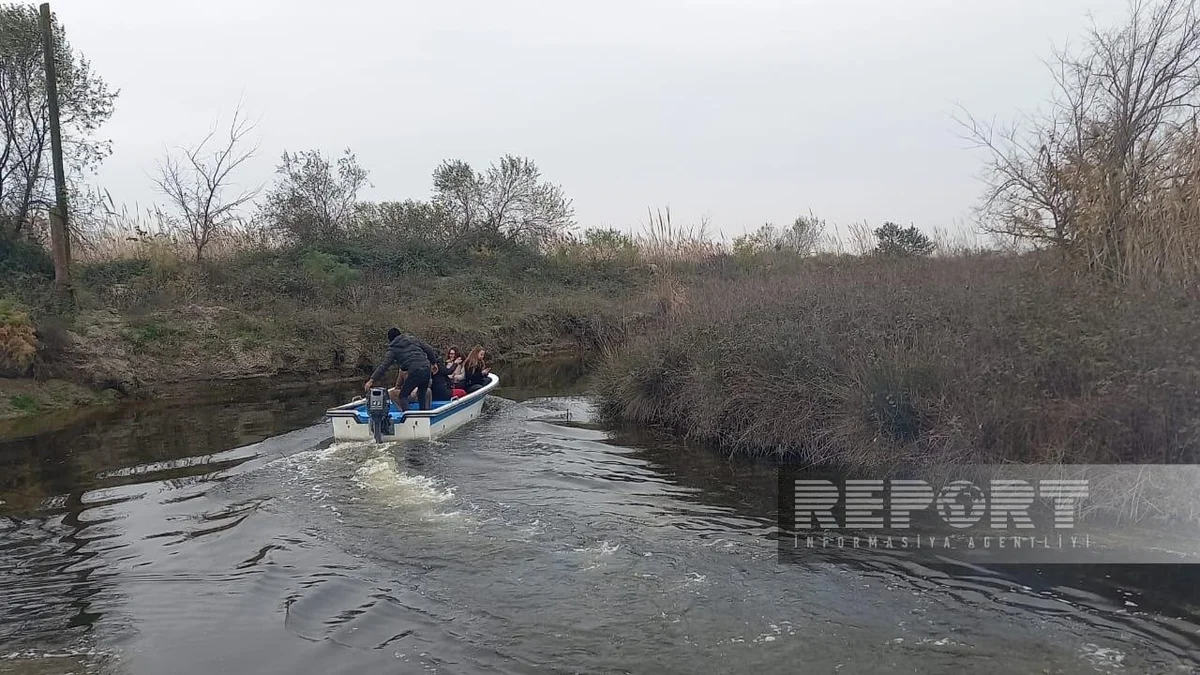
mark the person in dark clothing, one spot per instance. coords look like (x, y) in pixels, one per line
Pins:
(415, 359)
(475, 370)
(439, 384)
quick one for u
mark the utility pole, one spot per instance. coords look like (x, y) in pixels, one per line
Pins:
(60, 238)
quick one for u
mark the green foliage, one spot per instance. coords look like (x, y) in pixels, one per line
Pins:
(150, 333)
(18, 339)
(20, 256)
(12, 313)
(895, 241)
(328, 270)
(112, 272)
(394, 254)
(24, 403)
(801, 238)
(472, 293)
(84, 101)
(604, 244)
(509, 200)
(313, 200)
(408, 220)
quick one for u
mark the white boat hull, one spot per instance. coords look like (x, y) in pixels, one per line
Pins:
(350, 422)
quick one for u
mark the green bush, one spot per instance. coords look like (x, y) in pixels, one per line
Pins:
(18, 340)
(20, 256)
(896, 241)
(328, 270)
(152, 334)
(112, 272)
(24, 403)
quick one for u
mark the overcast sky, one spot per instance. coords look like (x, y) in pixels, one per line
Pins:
(742, 111)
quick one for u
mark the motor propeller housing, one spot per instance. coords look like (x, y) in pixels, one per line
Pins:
(378, 407)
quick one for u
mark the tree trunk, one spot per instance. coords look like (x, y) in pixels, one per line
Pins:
(58, 233)
(59, 251)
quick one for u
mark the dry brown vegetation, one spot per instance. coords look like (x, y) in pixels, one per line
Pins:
(843, 346)
(1078, 344)
(1109, 176)
(880, 363)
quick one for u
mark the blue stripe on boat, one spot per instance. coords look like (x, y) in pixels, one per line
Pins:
(362, 417)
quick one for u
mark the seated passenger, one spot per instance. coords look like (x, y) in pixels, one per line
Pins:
(454, 362)
(475, 370)
(439, 386)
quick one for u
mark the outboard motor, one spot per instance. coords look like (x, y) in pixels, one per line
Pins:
(377, 408)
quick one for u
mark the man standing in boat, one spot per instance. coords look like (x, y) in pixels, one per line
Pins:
(415, 359)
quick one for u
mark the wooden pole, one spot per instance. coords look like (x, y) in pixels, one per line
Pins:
(60, 237)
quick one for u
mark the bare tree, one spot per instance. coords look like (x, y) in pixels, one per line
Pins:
(197, 183)
(1090, 177)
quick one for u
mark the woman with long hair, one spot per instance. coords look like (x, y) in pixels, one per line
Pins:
(475, 370)
(454, 366)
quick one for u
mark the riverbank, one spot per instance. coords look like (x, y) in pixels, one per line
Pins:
(915, 364)
(160, 328)
(857, 361)
(186, 352)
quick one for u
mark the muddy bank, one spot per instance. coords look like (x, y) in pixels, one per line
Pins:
(100, 357)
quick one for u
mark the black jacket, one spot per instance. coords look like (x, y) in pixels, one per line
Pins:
(439, 385)
(475, 377)
(408, 353)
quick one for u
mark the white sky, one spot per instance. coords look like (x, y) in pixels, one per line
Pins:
(742, 111)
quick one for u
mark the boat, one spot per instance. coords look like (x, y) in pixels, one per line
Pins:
(354, 421)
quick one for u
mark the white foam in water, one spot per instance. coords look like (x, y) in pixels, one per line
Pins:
(381, 476)
(941, 642)
(308, 458)
(85, 656)
(1103, 657)
(605, 548)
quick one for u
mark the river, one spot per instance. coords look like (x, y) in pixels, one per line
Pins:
(235, 536)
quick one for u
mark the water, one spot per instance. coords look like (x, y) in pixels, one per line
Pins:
(237, 537)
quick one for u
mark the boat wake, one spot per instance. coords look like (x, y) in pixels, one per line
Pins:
(381, 478)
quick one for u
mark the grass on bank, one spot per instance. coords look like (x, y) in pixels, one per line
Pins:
(878, 364)
(858, 361)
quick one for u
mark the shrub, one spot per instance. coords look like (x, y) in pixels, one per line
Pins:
(19, 255)
(112, 272)
(24, 403)
(328, 270)
(18, 340)
(313, 200)
(801, 238)
(896, 241)
(151, 333)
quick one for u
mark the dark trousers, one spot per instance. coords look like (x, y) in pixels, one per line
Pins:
(417, 380)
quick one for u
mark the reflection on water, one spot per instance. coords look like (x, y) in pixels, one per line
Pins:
(72, 458)
(237, 537)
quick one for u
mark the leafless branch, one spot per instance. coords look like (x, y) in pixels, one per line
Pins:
(197, 181)
(1095, 175)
